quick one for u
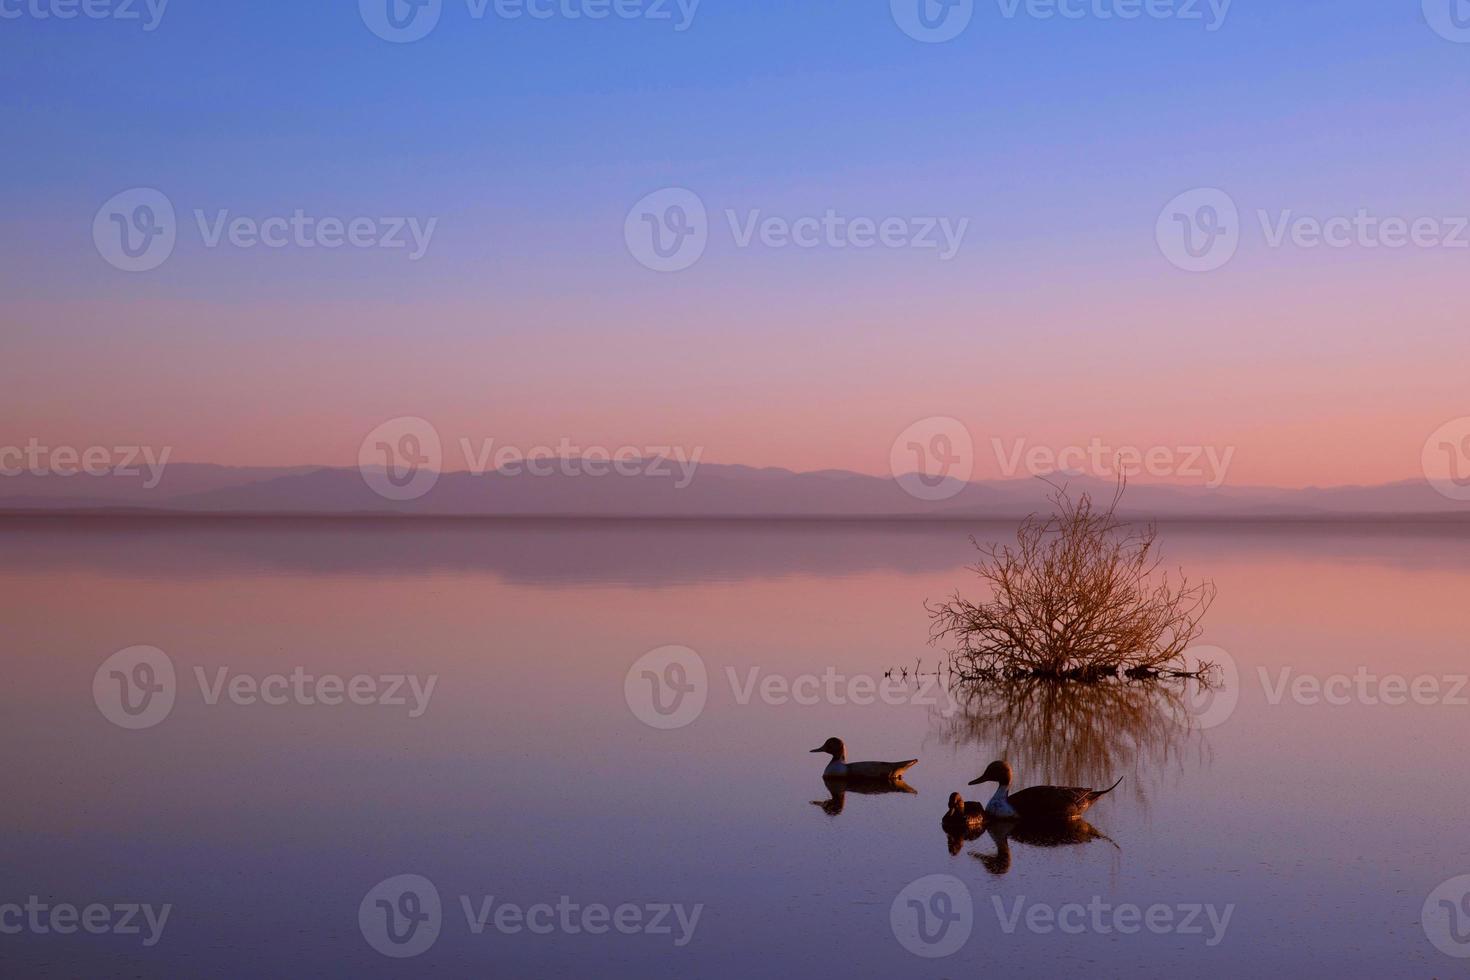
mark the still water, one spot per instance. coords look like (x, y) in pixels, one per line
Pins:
(1304, 831)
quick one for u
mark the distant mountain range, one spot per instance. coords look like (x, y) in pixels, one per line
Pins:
(715, 490)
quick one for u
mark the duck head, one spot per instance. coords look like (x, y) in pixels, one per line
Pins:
(996, 772)
(834, 748)
(956, 803)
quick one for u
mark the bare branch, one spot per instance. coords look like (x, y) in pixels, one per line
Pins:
(1078, 596)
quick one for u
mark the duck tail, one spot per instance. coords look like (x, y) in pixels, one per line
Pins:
(1098, 793)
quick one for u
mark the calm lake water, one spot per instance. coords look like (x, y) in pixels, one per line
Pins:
(1321, 829)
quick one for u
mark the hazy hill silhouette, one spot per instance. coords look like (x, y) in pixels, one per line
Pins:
(716, 490)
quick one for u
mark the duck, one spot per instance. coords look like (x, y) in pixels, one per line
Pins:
(840, 768)
(1036, 802)
(962, 816)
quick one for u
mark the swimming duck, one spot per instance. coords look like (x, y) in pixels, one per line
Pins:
(962, 816)
(1036, 802)
(840, 768)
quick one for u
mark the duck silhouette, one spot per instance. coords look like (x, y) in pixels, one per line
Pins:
(1036, 802)
(840, 768)
(962, 817)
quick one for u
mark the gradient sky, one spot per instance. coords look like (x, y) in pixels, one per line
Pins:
(528, 320)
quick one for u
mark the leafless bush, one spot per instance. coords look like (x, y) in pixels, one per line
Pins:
(1079, 596)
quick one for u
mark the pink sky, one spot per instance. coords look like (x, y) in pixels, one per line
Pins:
(1312, 373)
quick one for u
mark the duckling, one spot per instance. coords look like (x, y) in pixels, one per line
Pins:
(840, 768)
(962, 816)
(1036, 802)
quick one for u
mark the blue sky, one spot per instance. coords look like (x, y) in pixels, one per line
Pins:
(529, 140)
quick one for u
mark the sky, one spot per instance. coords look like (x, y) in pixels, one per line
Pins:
(1055, 150)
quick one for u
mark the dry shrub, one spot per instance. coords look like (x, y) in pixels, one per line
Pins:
(1079, 596)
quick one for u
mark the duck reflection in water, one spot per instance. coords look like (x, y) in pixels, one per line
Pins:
(1039, 834)
(838, 789)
